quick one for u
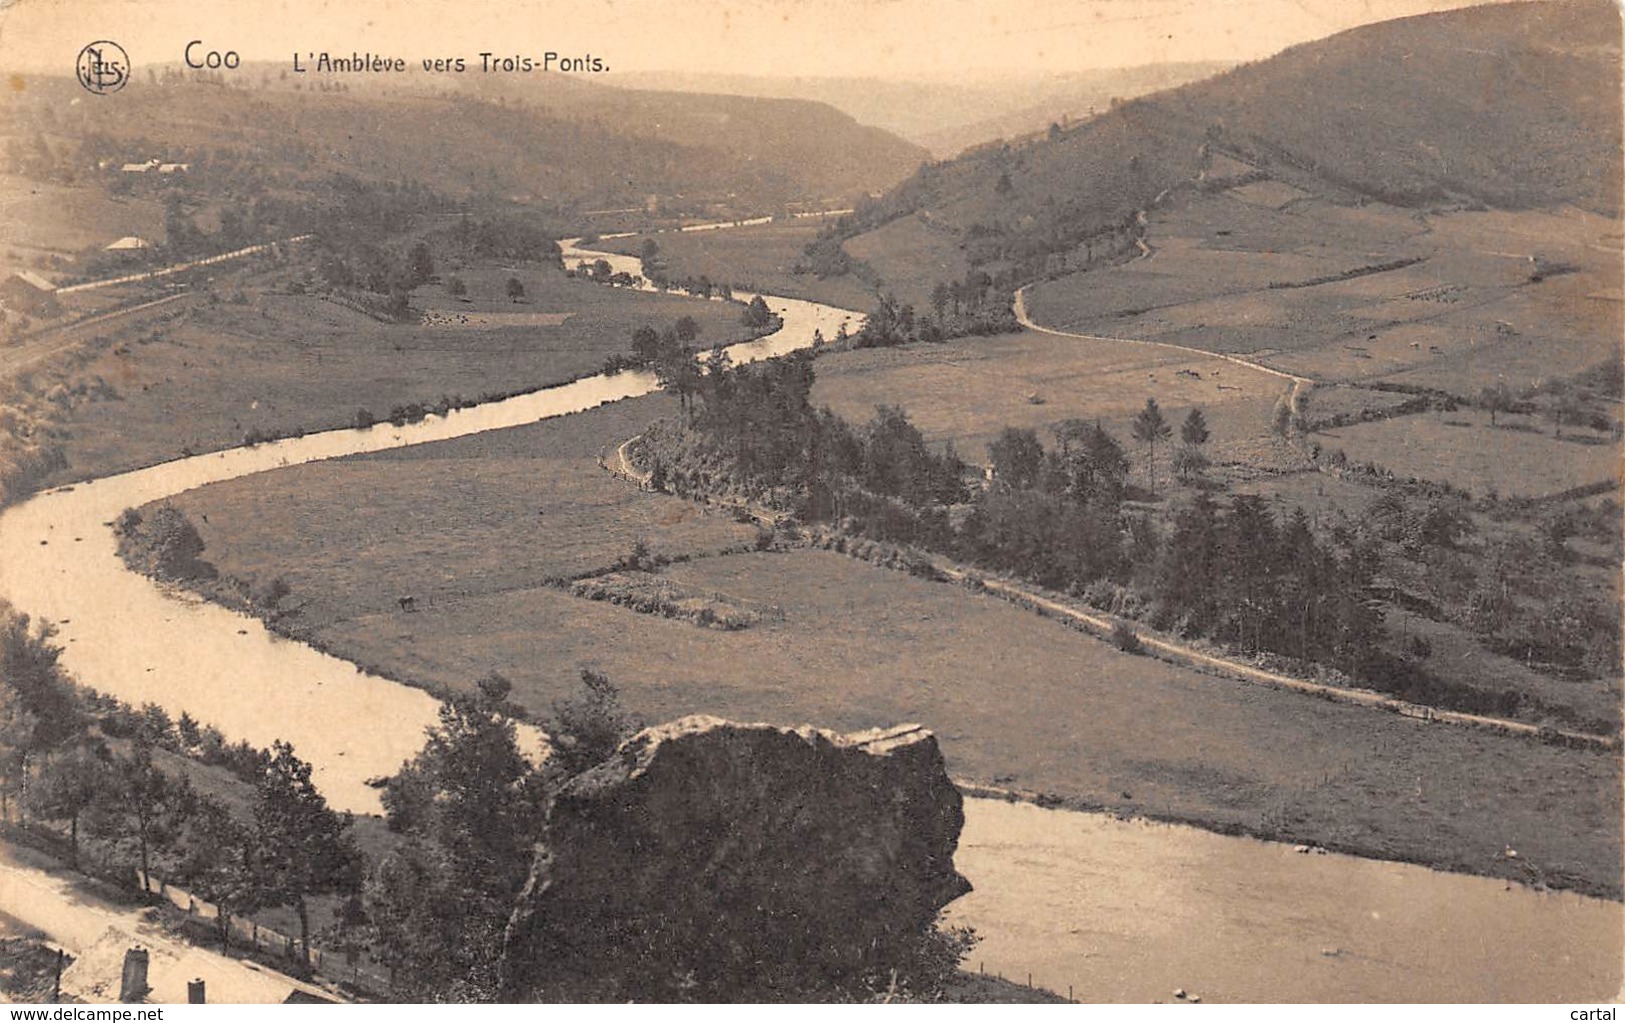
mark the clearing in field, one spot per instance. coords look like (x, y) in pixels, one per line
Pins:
(911, 255)
(1016, 699)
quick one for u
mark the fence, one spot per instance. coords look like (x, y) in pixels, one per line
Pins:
(358, 970)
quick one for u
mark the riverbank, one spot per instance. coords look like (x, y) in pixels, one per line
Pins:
(1072, 720)
(123, 634)
(281, 364)
(1019, 701)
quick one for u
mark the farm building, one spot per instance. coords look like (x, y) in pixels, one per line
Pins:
(28, 292)
(129, 243)
(174, 168)
(140, 168)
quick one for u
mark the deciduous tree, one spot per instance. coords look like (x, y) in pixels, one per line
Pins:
(586, 729)
(1017, 457)
(471, 805)
(70, 785)
(303, 847)
(1495, 399)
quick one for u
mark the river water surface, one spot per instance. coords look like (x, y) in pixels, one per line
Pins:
(1117, 910)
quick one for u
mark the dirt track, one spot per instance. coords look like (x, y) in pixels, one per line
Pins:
(96, 932)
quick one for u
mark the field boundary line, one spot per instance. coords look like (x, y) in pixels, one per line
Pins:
(1299, 383)
(1101, 626)
(110, 314)
(89, 321)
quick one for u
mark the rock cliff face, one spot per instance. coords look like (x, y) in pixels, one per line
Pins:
(716, 860)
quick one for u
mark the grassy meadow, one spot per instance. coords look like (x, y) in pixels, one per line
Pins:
(1017, 700)
(910, 255)
(761, 257)
(1228, 275)
(1520, 456)
(969, 389)
(260, 361)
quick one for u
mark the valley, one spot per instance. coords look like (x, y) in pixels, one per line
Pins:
(1231, 491)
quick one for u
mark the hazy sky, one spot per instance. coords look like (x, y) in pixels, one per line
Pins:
(931, 39)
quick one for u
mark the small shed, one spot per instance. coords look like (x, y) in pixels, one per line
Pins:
(129, 243)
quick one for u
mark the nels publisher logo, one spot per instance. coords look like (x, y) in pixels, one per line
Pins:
(103, 67)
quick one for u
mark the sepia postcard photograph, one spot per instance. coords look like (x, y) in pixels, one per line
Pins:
(1005, 502)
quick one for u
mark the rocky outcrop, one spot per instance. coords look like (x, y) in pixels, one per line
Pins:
(724, 861)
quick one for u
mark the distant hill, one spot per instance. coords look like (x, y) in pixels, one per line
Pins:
(825, 152)
(1514, 105)
(1064, 100)
(945, 117)
(1509, 105)
(559, 140)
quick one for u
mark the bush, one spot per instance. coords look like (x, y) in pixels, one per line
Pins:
(164, 544)
(639, 559)
(1126, 639)
(586, 730)
(412, 412)
(266, 596)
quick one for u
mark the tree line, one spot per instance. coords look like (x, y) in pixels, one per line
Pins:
(1066, 515)
(466, 816)
(971, 307)
(115, 779)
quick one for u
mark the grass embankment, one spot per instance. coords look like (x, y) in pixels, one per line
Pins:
(1017, 701)
(277, 364)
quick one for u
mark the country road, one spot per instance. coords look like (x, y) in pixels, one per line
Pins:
(45, 343)
(1026, 320)
(1168, 649)
(130, 638)
(1202, 659)
(96, 932)
(1102, 625)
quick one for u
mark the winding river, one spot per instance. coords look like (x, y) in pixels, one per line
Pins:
(1110, 909)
